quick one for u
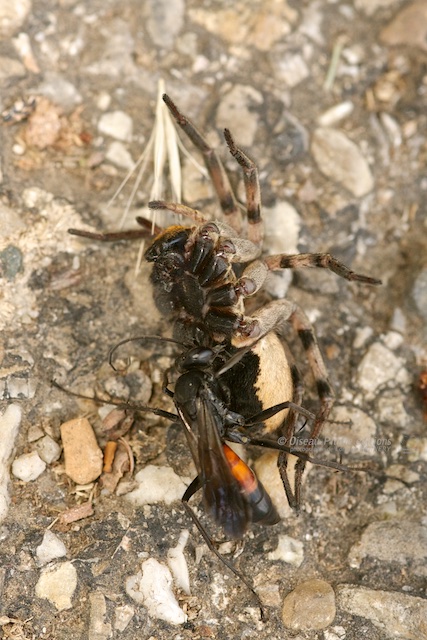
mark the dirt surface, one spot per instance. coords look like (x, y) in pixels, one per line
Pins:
(269, 71)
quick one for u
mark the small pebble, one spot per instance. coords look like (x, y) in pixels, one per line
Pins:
(48, 449)
(291, 68)
(341, 160)
(335, 633)
(157, 484)
(178, 563)
(50, 548)
(289, 550)
(59, 90)
(391, 541)
(396, 615)
(282, 228)
(57, 584)
(119, 155)
(11, 262)
(352, 432)
(122, 616)
(391, 409)
(103, 101)
(409, 27)
(335, 114)
(311, 605)
(13, 15)
(34, 433)
(10, 421)
(237, 111)
(152, 587)
(21, 388)
(164, 20)
(380, 367)
(417, 449)
(116, 124)
(83, 457)
(11, 222)
(28, 467)
(98, 628)
(419, 293)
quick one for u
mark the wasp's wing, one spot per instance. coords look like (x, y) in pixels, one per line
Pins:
(222, 494)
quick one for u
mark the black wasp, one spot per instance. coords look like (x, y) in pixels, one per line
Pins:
(232, 494)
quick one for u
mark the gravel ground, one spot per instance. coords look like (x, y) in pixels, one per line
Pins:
(330, 100)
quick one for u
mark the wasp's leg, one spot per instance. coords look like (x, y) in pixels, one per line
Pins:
(322, 260)
(214, 166)
(193, 487)
(253, 194)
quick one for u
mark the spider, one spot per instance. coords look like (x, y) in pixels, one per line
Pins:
(202, 275)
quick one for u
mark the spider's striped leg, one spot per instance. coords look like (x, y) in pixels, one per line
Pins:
(253, 194)
(322, 260)
(325, 392)
(227, 199)
(180, 209)
(287, 432)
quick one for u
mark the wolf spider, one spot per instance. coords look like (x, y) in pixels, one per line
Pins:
(201, 277)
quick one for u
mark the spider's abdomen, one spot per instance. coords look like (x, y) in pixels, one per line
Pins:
(261, 380)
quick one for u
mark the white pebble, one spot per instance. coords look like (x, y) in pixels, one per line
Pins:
(116, 124)
(122, 616)
(99, 629)
(335, 114)
(289, 550)
(48, 449)
(28, 467)
(380, 367)
(178, 564)
(341, 160)
(103, 101)
(236, 111)
(119, 155)
(157, 484)
(9, 426)
(394, 614)
(50, 548)
(57, 584)
(152, 587)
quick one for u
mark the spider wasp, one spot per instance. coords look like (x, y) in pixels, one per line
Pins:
(201, 277)
(233, 496)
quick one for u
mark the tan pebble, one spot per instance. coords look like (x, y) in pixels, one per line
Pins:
(83, 457)
(311, 605)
